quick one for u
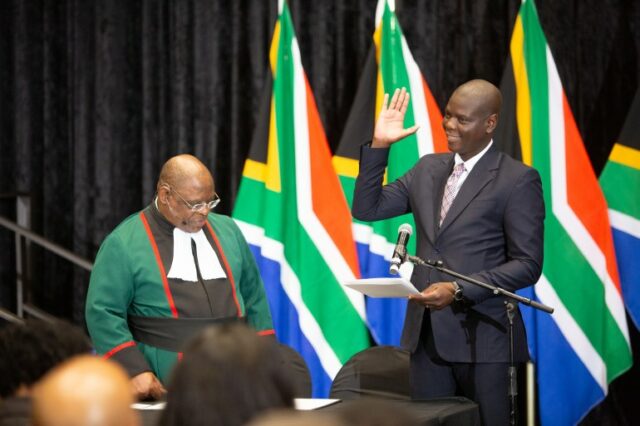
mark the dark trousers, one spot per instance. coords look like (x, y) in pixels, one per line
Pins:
(484, 383)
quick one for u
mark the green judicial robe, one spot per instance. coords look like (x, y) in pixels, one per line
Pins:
(129, 280)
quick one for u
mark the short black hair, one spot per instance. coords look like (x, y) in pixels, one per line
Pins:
(228, 374)
(28, 351)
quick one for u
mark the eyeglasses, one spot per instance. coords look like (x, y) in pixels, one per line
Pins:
(210, 205)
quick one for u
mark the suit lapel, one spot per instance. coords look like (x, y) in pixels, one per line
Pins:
(483, 173)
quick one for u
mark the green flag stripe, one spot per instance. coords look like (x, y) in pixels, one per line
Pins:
(348, 186)
(253, 193)
(394, 75)
(602, 330)
(322, 294)
(342, 326)
(566, 277)
(614, 180)
(535, 54)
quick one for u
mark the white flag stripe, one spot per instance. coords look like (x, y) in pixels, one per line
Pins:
(573, 333)
(274, 250)
(563, 211)
(378, 244)
(310, 222)
(418, 102)
(625, 223)
(380, 9)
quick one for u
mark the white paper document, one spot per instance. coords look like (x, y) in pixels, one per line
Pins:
(299, 403)
(383, 287)
(155, 405)
(306, 404)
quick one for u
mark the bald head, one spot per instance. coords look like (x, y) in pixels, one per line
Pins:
(486, 96)
(184, 182)
(85, 390)
(471, 116)
(184, 169)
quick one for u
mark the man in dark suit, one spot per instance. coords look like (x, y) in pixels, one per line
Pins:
(481, 213)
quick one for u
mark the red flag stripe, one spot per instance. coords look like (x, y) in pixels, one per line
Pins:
(435, 118)
(583, 193)
(326, 193)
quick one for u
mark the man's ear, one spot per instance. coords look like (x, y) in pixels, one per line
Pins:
(492, 122)
(163, 193)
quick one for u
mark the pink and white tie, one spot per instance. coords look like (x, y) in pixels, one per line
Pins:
(451, 190)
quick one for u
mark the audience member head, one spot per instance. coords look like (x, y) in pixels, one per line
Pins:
(227, 375)
(84, 391)
(186, 192)
(28, 351)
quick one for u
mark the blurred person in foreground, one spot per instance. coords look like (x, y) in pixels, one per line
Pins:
(227, 376)
(167, 272)
(84, 391)
(27, 352)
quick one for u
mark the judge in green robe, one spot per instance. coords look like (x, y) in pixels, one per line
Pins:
(167, 272)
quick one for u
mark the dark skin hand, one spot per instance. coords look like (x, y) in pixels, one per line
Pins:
(147, 386)
(437, 296)
(390, 124)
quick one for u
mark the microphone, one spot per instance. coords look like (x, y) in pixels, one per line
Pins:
(400, 250)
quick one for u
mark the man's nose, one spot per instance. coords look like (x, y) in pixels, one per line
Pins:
(448, 123)
(204, 210)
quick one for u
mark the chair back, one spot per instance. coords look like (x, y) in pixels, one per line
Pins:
(295, 364)
(379, 371)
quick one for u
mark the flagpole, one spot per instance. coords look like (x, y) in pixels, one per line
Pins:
(531, 394)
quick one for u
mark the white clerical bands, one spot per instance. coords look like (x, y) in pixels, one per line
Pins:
(183, 265)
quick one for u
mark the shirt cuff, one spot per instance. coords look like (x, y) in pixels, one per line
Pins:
(132, 360)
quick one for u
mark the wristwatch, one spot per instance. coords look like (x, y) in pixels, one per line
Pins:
(457, 292)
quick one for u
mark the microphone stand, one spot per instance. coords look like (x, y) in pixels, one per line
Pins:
(510, 306)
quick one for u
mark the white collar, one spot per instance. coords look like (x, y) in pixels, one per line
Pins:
(471, 162)
(183, 265)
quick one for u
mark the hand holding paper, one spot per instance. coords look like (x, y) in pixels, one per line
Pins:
(436, 296)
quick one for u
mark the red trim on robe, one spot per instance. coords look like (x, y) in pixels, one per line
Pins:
(118, 348)
(227, 267)
(163, 274)
(266, 332)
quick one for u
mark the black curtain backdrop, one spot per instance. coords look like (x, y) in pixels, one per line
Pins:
(96, 95)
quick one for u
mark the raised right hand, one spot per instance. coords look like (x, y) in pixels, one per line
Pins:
(390, 124)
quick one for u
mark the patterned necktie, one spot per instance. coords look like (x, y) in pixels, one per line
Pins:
(450, 190)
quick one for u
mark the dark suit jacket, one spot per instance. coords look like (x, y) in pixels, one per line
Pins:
(492, 232)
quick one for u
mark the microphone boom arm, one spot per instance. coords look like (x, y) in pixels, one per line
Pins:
(438, 265)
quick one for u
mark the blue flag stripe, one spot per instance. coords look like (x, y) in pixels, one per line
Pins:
(385, 316)
(286, 323)
(627, 248)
